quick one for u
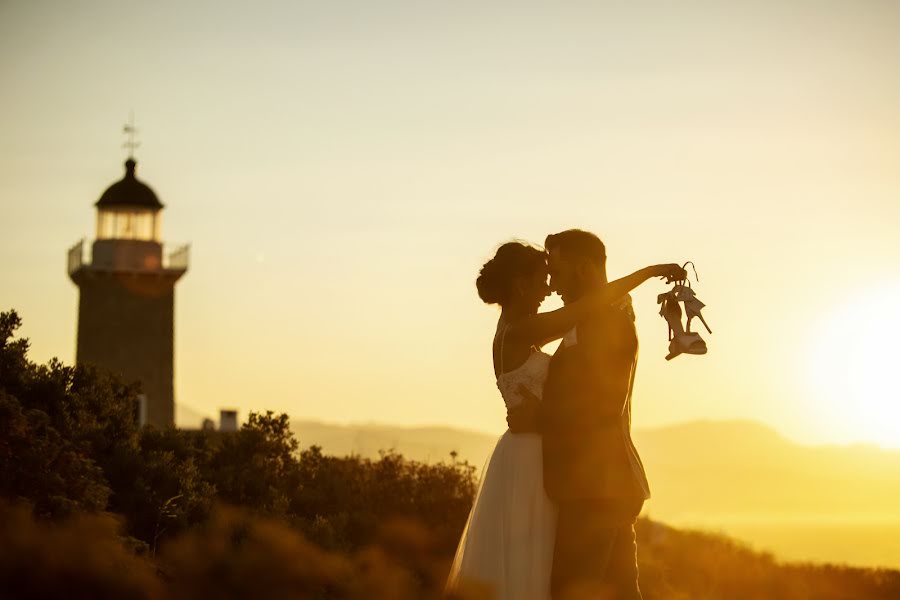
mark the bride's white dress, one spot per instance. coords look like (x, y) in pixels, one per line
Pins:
(507, 544)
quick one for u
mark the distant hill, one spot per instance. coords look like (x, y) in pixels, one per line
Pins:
(834, 503)
(739, 468)
(740, 477)
(695, 469)
(428, 444)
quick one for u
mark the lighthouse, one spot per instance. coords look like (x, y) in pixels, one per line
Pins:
(126, 320)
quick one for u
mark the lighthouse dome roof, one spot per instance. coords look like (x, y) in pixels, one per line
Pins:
(129, 192)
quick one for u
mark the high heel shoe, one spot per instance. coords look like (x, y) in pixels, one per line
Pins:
(686, 343)
(692, 305)
(680, 341)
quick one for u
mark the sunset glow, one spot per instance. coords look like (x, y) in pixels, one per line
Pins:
(854, 366)
(342, 171)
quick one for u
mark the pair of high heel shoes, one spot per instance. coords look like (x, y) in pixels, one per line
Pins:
(681, 339)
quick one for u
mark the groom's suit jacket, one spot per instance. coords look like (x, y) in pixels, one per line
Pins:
(585, 416)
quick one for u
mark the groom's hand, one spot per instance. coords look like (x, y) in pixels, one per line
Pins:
(523, 417)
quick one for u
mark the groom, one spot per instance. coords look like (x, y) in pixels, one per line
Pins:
(592, 471)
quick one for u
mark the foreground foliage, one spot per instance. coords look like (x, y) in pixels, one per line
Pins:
(91, 506)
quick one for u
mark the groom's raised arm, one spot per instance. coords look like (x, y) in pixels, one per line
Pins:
(541, 328)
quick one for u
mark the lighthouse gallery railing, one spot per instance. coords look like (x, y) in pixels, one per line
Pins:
(176, 258)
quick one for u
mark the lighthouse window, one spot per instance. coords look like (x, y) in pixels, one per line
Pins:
(127, 225)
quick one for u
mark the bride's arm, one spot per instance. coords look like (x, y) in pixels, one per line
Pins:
(541, 328)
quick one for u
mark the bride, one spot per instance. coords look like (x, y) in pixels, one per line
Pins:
(506, 549)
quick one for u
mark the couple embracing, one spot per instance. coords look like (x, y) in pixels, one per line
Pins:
(555, 510)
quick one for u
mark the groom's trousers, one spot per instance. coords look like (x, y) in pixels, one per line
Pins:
(595, 556)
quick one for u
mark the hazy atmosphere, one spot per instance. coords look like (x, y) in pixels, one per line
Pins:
(341, 172)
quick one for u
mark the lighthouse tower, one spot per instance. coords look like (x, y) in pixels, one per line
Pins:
(127, 295)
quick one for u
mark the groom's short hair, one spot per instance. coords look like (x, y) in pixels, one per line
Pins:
(575, 243)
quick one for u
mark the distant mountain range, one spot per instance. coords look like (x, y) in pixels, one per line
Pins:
(741, 468)
(729, 468)
(819, 503)
(740, 477)
(427, 444)
(696, 470)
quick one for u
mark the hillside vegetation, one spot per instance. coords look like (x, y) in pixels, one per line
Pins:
(94, 507)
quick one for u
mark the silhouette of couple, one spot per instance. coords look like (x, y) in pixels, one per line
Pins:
(555, 509)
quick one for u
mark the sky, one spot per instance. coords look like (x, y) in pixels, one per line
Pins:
(342, 170)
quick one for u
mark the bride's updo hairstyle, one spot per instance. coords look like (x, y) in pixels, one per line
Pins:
(512, 261)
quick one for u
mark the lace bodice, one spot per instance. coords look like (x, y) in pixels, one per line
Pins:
(532, 374)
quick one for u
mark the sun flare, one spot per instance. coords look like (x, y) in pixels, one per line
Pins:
(854, 366)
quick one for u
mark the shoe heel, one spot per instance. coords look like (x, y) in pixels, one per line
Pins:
(702, 320)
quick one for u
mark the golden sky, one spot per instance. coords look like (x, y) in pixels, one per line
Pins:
(342, 169)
